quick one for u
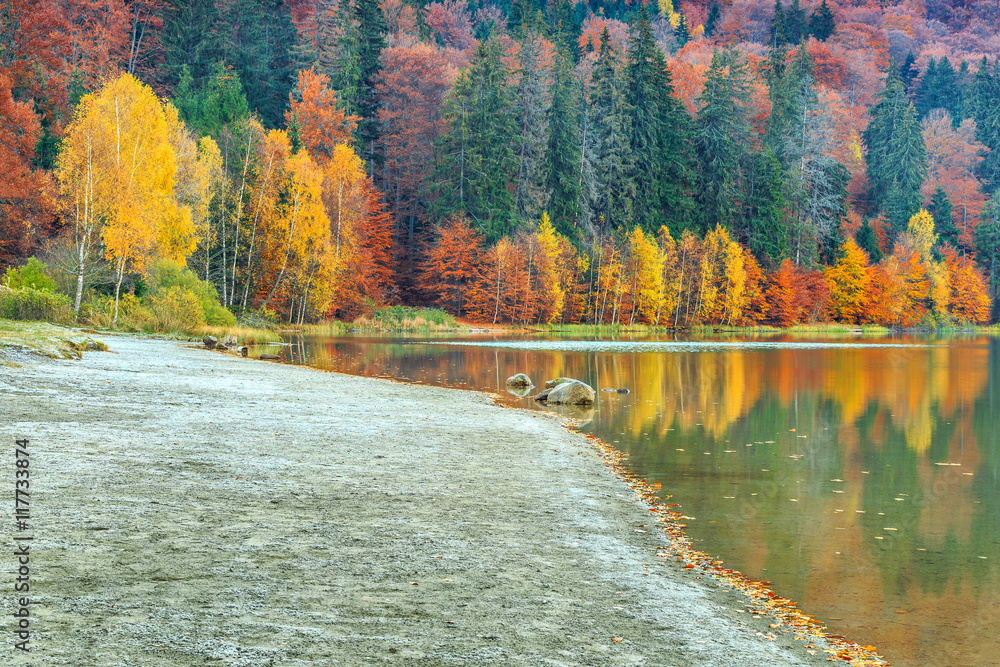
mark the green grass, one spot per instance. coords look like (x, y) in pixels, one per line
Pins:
(47, 340)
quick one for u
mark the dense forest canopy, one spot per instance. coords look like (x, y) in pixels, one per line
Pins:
(676, 162)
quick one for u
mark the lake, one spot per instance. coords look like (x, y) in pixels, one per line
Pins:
(861, 477)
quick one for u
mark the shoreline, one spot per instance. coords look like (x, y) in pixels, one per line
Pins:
(253, 499)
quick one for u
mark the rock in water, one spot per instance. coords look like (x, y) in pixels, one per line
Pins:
(210, 342)
(520, 392)
(542, 395)
(269, 357)
(610, 390)
(573, 392)
(552, 383)
(519, 380)
(244, 351)
(623, 390)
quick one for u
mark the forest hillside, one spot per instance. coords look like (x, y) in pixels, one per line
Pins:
(729, 162)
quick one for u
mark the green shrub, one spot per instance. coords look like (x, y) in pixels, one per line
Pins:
(32, 304)
(199, 296)
(31, 275)
(176, 309)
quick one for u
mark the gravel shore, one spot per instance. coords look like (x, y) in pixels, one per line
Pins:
(195, 508)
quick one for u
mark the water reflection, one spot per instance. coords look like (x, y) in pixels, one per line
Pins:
(861, 480)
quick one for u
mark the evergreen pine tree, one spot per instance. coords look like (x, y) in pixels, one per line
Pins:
(712, 22)
(896, 155)
(941, 210)
(766, 232)
(961, 106)
(660, 137)
(682, 32)
(815, 183)
(927, 91)
(779, 30)
(532, 101)
(986, 111)
(371, 41)
(822, 23)
(564, 29)
(795, 23)
(563, 154)
(987, 241)
(189, 41)
(723, 138)
(613, 167)
(868, 242)
(258, 39)
(476, 160)
(908, 72)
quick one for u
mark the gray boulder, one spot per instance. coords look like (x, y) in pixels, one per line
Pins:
(519, 380)
(542, 395)
(552, 383)
(210, 342)
(573, 392)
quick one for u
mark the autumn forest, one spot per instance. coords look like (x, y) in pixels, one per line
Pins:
(676, 163)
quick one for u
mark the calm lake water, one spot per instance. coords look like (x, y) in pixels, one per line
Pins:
(860, 477)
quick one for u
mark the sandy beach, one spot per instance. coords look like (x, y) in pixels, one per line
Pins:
(190, 507)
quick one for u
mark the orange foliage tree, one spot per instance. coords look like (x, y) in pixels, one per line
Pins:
(969, 299)
(450, 264)
(322, 126)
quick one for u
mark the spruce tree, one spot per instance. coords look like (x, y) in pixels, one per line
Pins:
(941, 210)
(563, 154)
(723, 138)
(815, 183)
(795, 23)
(712, 22)
(532, 101)
(563, 27)
(985, 104)
(896, 155)
(371, 41)
(682, 32)
(962, 91)
(822, 23)
(663, 162)
(613, 167)
(476, 160)
(189, 41)
(767, 236)
(779, 30)
(987, 243)
(908, 73)
(868, 242)
(258, 39)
